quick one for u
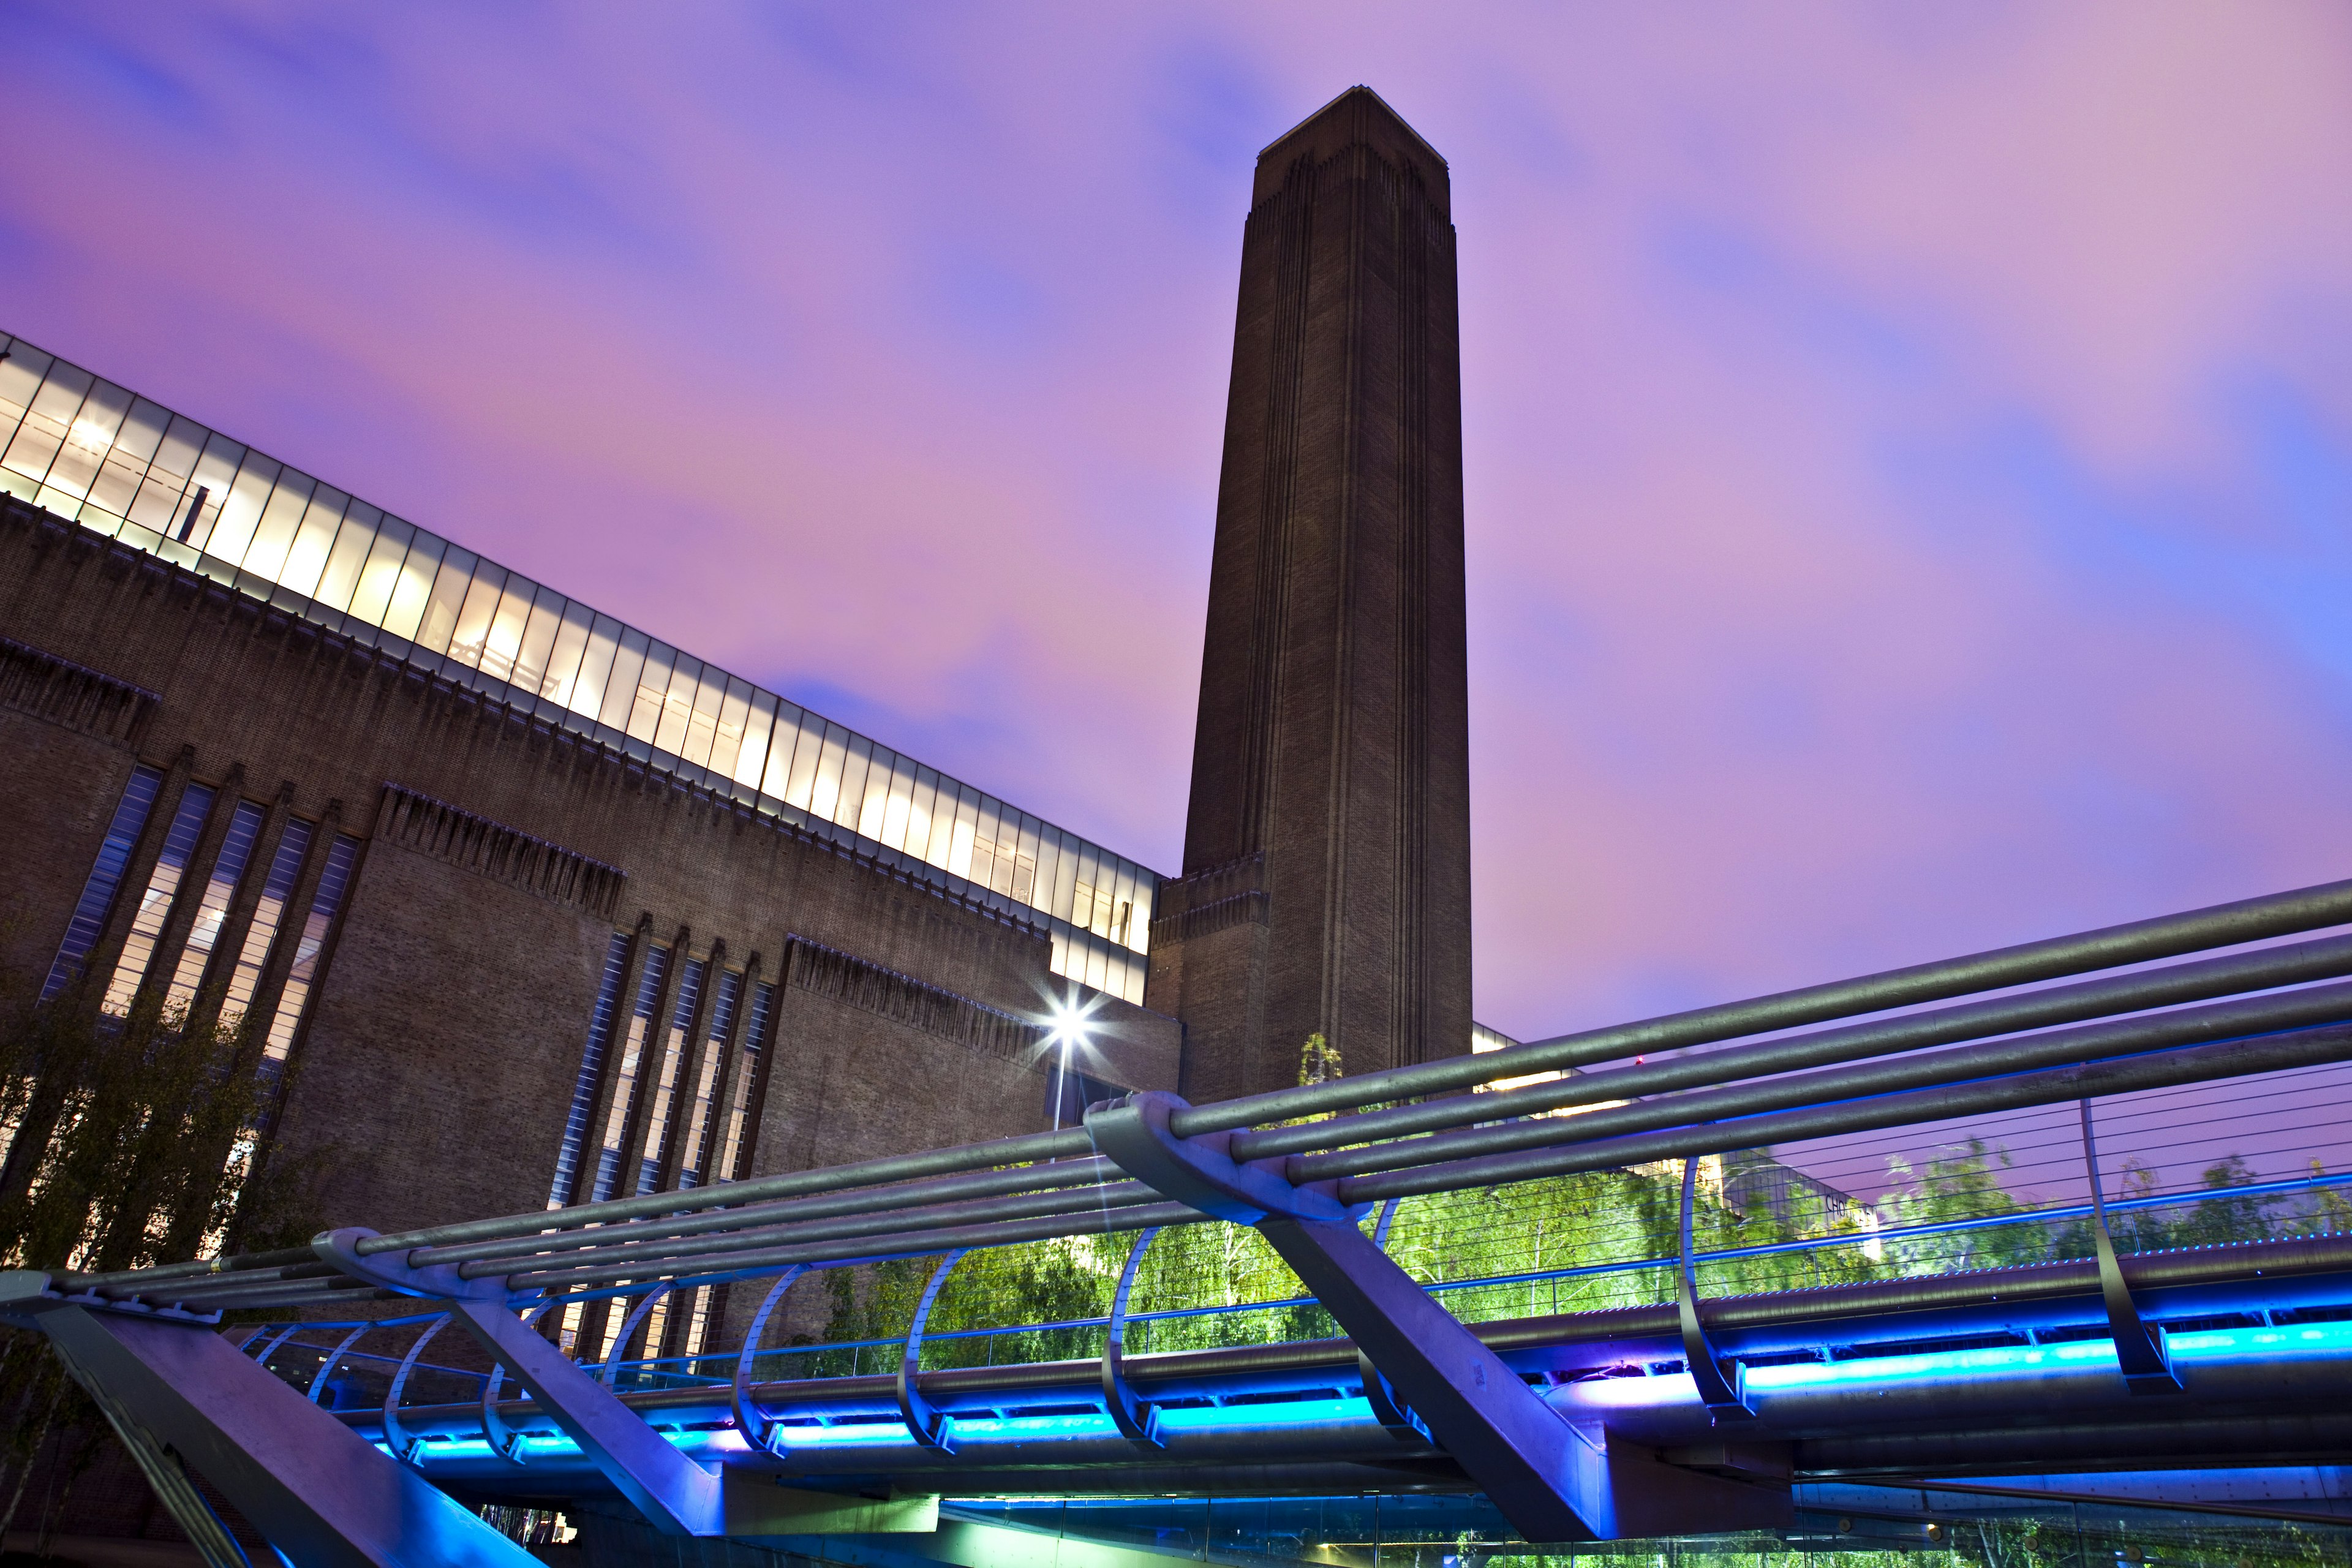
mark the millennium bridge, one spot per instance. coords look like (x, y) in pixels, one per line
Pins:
(1589, 1289)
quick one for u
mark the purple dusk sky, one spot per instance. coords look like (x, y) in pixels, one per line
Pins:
(1909, 448)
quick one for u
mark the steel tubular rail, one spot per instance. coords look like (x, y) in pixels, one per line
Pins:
(2110, 947)
(2328, 959)
(861, 1200)
(914, 1244)
(2090, 1042)
(662, 1251)
(1033, 1147)
(2166, 1069)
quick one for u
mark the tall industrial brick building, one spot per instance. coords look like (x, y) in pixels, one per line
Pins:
(538, 909)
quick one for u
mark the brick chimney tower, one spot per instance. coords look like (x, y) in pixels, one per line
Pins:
(1327, 852)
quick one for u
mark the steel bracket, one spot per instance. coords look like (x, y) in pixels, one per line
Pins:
(2140, 1353)
(926, 1424)
(1136, 1422)
(1724, 1392)
(1133, 1133)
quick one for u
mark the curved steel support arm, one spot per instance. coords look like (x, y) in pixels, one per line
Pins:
(403, 1446)
(1725, 1396)
(327, 1367)
(925, 1424)
(629, 1328)
(504, 1440)
(759, 1428)
(2140, 1353)
(1136, 1422)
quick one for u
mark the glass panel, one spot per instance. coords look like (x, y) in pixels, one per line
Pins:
(502, 644)
(966, 821)
(920, 807)
(350, 552)
(450, 587)
(702, 718)
(984, 848)
(677, 705)
(727, 736)
(562, 669)
(43, 430)
(855, 766)
(118, 485)
(105, 876)
(334, 879)
(204, 933)
(306, 558)
(419, 570)
(273, 535)
(874, 806)
(216, 470)
(471, 629)
(893, 831)
(806, 750)
(381, 575)
(653, 687)
(824, 794)
(595, 667)
(87, 438)
(155, 903)
(1024, 872)
(751, 761)
(700, 1124)
(625, 1081)
(662, 1111)
(285, 869)
(628, 664)
(734, 1150)
(232, 531)
(21, 370)
(783, 747)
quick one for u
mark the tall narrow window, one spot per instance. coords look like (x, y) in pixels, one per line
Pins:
(625, 1082)
(284, 867)
(334, 881)
(592, 1070)
(155, 903)
(706, 1080)
(734, 1145)
(228, 868)
(105, 877)
(664, 1102)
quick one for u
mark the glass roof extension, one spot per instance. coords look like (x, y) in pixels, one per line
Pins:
(120, 466)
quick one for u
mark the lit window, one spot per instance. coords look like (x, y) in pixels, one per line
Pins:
(105, 877)
(664, 1102)
(706, 1080)
(334, 880)
(268, 916)
(734, 1147)
(155, 903)
(592, 1070)
(625, 1082)
(228, 868)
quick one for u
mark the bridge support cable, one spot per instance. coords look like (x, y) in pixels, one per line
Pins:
(319, 1493)
(1720, 1390)
(2140, 1351)
(1553, 1481)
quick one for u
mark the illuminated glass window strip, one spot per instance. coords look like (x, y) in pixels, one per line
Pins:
(592, 1070)
(661, 1112)
(155, 903)
(733, 1149)
(335, 878)
(105, 877)
(625, 1081)
(269, 914)
(714, 1056)
(228, 868)
(131, 470)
